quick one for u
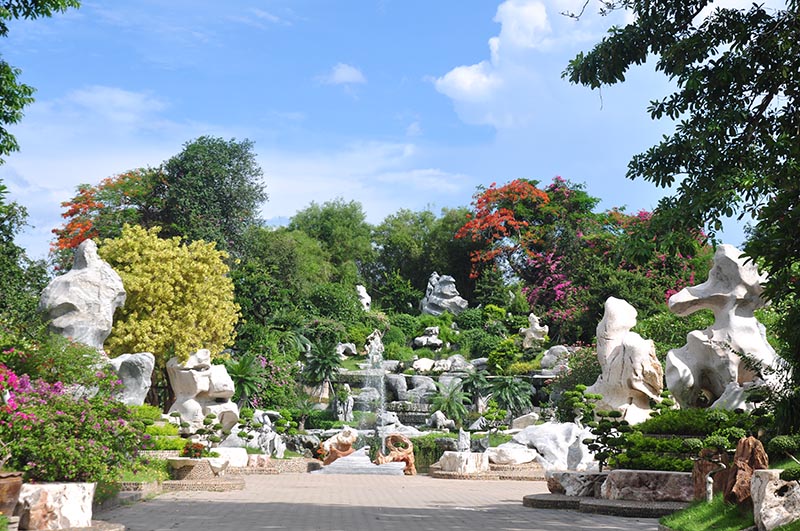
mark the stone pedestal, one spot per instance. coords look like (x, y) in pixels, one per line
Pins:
(189, 468)
(464, 462)
(55, 505)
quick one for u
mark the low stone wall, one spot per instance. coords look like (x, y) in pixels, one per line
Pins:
(296, 465)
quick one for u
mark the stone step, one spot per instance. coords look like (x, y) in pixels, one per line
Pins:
(626, 508)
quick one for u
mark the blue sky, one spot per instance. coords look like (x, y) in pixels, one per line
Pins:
(396, 104)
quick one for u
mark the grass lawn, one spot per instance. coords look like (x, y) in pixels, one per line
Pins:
(702, 516)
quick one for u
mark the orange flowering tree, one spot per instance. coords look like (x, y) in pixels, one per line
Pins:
(101, 211)
(569, 257)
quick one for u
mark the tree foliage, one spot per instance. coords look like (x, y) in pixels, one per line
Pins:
(736, 147)
(180, 298)
(14, 96)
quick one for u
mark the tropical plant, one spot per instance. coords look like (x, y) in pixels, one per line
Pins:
(450, 399)
(322, 364)
(512, 394)
(246, 373)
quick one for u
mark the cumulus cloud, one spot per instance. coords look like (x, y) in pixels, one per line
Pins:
(525, 60)
(343, 74)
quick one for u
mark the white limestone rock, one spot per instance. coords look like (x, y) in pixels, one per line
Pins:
(429, 339)
(700, 372)
(555, 359)
(397, 386)
(459, 363)
(135, 372)
(535, 334)
(775, 502)
(422, 388)
(423, 365)
(511, 454)
(631, 373)
(559, 445)
(200, 389)
(364, 298)
(441, 365)
(442, 296)
(464, 462)
(81, 303)
(520, 423)
(438, 420)
(237, 457)
(55, 505)
(346, 349)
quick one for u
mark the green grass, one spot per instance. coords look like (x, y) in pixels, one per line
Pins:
(717, 515)
(352, 363)
(151, 470)
(784, 463)
(794, 526)
(289, 454)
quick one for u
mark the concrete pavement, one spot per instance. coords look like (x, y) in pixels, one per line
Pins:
(351, 503)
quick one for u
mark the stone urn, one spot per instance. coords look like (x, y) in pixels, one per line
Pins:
(10, 485)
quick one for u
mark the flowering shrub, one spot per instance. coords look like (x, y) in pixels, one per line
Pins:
(195, 450)
(54, 435)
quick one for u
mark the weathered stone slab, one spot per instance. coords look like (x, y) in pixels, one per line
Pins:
(586, 484)
(775, 502)
(648, 485)
(55, 505)
(511, 454)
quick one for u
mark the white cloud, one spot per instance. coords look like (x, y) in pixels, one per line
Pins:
(414, 129)
(343, 74)
(522, 74)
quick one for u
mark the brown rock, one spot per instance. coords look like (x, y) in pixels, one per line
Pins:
(710, 460)
(647, 485)
(398, 454)
(749, 456)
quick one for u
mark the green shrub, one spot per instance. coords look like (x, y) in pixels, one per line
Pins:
(698, 422)
(146, 412)
(668, 330)
(523, 367)
(791, 474)
(394, 336)
(408, 324)
(166, 443)
(358, 333)
(783, 444)
(470, 319)
(336, 301)
(395, 351)
(426, 452)
(502, 356)
(158, 430)
(650, 453)
(492, 312)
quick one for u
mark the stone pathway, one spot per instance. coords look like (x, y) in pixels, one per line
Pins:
(301, 502)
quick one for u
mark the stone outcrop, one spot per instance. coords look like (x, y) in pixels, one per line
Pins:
(555, 359)
(397, 387)
(710, 365)
(535, 334)
(423, 365)
(422, 389)
(442, 296)
(55, 505)
(81, 303)
(439, 421)
(735, 480)
(522, 422)
(346, 349)
(364, 298)
(200, 389)
(631, 373)
(648, 485)
(135, 372)
(775, 502)
(429, 339)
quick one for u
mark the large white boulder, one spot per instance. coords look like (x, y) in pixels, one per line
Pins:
(442, 296)
(511, 454)
(559, 445)
(631, 374)
(55, 505)
(700, 372)
(81, 303)
(363, 297)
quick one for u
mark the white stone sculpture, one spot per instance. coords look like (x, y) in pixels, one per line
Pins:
(364, 298)
(135, 371)
(346, 349)
(535, 334)
(200, 389)
(511, 454)
(439, 421)
(702, 371)
(555, 359)
(442, 296)
(775, 502)
(464, 462)
(80, 304)
(374, 348)
(344, 404)
(631, 373)
(55, 505)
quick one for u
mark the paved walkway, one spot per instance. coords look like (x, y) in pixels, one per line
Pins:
(354, 503)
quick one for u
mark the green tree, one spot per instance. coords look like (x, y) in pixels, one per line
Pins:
(21, 279)
(180, 298)
(402, 239)
(342, 230)
(736, 147)
(450, 399)
(211, 191)
(14, 96)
